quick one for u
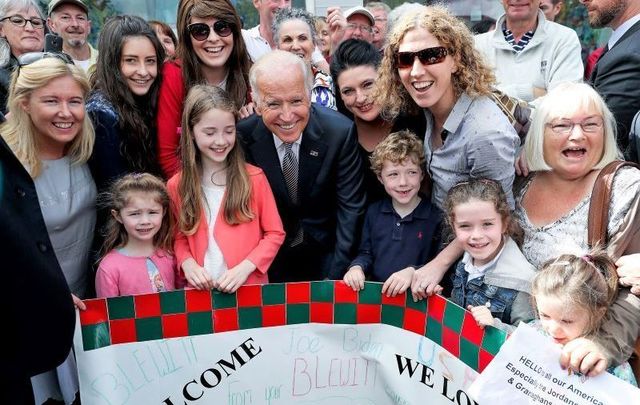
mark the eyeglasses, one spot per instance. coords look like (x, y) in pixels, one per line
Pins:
(427, 56)
(361, 27)
(20, 21)
(564, 127)
(32, 57)
(201, 31)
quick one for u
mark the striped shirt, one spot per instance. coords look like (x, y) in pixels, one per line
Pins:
(517, 46)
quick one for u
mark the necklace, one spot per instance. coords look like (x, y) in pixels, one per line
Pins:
(213, 175)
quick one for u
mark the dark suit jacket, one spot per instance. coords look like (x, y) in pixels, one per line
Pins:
(617, 78)
(36, 306)
(330, 188)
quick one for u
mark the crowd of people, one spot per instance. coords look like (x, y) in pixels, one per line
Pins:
(367, 144)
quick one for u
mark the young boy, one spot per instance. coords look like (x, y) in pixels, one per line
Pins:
(401, 232)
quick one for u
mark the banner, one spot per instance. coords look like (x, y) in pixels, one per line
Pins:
(311, 343)
(527, 370)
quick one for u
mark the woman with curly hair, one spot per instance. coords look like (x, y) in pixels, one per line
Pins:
(430, 64)
(210, 51)
(123, 100)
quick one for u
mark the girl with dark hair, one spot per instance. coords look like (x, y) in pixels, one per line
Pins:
(229, 229)
(354, 68)
(122, 104)
(166, 36)
(210, 51)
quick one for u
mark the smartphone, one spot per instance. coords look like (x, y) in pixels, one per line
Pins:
(53, 43)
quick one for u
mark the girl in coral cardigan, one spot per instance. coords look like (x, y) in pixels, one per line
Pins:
(229, 229)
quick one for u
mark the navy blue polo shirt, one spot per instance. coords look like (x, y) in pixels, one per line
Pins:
(390, 243)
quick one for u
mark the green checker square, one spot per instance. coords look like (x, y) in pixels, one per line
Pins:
(469, 353)
(297, 313)
(222, 300)
(250, 317)
(453, 317)
(199, 323)
(121, 308)
(392, 315)
(95, 336)
(370, 294)
(493, 340)
(345, 313)
(434, 330)
(273, 294)
(149, 328)
(172, 302)
(321, 291)
(420, 305)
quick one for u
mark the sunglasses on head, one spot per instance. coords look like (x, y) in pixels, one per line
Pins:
(201, 31)
(427, 56)
(32, 57)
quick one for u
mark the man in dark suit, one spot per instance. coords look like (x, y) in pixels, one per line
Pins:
(616, 75)
(37, 309)
(310, 156)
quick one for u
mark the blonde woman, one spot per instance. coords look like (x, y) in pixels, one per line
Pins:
(51, 135)
(430, 65)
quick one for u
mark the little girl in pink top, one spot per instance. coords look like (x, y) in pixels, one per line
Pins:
(138, 239)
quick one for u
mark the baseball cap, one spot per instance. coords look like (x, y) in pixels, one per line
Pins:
(360, 10)
(55, 3)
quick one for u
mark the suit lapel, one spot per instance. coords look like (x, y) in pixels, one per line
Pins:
(630, 32)
(312, 154)
(264, 152)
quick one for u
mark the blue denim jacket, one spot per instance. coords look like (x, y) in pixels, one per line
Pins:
(501, 284)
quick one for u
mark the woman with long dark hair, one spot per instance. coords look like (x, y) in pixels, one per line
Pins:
(123, 102)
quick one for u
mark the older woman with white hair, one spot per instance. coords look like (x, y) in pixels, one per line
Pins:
(21, 31)
(294, 31)
(572, 137)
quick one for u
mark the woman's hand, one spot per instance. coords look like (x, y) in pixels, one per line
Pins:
(337, 25)
(77, 302)
(629, 272)
(521, 165)
(235, 277)
(246, 111)
(482, 315)
(398, 282)
(197, 276)
(585, 356)
(354, 278)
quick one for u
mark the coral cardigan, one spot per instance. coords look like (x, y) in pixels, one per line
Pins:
(257, 241)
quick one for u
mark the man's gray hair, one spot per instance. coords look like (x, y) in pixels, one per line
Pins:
(271, 65)
(288, 14)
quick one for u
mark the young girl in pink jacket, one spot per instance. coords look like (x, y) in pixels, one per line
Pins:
(228, 226)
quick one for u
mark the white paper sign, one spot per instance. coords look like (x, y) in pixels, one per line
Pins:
(527, 371)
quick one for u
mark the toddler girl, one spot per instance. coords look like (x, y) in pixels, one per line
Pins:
(572, 295)
(136, 252)
(229, 229)
(493, 279)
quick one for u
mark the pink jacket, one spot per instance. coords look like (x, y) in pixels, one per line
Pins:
(257, 241)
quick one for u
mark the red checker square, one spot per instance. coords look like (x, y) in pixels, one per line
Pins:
(344, 294)
(274, 315)
(321, 312)
(249, 296)
(225, 320)
(484, 358)
(415, 321)
(298, 293)
(123, 331)
(174, 325)
(451, 341)
(436, 306)
(198, 300)
(399, 300)
(147, 305)
(471, 331)
(368, 313)
(95, 313)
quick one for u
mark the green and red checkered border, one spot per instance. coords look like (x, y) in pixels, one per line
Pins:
(182, 313)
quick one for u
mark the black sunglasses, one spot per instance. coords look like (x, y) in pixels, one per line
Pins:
(427, 56)
(201, 31)
(31, 57)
